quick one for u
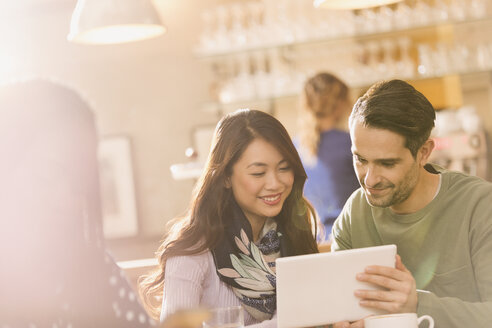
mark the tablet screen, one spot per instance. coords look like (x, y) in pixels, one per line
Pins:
(318, 289)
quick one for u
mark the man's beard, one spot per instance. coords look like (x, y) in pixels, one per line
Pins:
(398, 195)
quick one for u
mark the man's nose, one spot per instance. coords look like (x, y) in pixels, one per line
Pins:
(372, 177)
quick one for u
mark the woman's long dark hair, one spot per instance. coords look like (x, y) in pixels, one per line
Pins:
(203, 226)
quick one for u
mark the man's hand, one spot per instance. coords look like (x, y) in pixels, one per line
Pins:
(401, 293)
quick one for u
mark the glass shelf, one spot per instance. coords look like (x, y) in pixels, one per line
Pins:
(357, 36)
(267, 102)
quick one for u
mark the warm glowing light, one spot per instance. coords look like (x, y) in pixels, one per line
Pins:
(117, 34)
(114, 21)
(351, 4)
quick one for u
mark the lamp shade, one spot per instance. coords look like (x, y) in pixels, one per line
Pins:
(114, 21)
(351, 4)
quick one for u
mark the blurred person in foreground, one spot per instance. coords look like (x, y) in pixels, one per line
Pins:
(440, 220)
(247, 210)
(55, 271)
(324, 146)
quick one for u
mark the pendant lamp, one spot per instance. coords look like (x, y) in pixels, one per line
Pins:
(114, 21)
(351, 4)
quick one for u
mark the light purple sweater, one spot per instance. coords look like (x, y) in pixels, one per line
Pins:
(192, 281)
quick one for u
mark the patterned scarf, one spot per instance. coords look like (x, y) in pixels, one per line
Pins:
(249, 268)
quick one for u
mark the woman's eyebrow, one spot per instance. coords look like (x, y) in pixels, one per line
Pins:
(261, 164)
(256, 164)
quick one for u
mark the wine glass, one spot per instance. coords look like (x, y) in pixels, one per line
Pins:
(229, 317)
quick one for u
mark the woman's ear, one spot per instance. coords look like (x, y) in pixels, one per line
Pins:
(426, 150)
(227, 182)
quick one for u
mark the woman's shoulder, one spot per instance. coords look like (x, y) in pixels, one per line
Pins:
(203, 256)
(336, 133)
(335, 137)
(200, 261)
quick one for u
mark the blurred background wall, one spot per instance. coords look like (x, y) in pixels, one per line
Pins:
(148, 91)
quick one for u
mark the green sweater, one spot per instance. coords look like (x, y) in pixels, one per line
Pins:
(447, 246)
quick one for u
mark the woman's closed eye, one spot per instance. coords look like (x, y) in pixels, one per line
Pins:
(285, 168)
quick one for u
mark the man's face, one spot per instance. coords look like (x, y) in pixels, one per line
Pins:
(386, 169)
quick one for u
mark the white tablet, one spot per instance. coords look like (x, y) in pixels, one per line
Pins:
(318, 289)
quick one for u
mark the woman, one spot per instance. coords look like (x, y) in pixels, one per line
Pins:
(324, 145)
(55, 272)
(247, 210)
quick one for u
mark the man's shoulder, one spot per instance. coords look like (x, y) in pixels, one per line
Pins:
(461, 188)
(463, 181)
(458, 180)
(356, 203)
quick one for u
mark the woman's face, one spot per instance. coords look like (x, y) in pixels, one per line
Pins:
(261, 181)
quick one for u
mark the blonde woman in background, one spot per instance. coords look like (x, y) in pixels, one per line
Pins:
(324, 146)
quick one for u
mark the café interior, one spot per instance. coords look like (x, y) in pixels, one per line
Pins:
(157, 93)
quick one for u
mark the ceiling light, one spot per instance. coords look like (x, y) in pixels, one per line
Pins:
(114, 21)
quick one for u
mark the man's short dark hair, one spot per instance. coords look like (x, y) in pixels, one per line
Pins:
(396, 106)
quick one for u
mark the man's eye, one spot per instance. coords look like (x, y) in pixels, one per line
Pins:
(388, 164)
(257, 174)
(360, 160)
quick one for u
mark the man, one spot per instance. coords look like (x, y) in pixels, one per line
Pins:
(441, 221)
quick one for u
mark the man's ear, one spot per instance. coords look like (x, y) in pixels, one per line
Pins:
(426, 150)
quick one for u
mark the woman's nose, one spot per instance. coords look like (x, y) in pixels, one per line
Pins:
(272, 181)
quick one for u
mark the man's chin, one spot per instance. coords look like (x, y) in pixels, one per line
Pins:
(377, 202)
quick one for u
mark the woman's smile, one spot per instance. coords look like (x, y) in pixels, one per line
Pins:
(272, 199)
